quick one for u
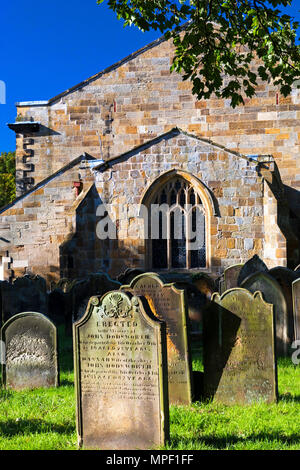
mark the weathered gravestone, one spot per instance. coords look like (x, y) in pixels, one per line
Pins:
(254, 265)
(27, 293)
(120, 375)
(239, 349)
(168, 303)
(296, 307)
(231, 275)
(285, 278)
(31, 357)
(272, 293)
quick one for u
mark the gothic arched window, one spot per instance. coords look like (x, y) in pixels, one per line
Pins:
(177, 227)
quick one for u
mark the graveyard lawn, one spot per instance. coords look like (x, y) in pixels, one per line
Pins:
(44, 419)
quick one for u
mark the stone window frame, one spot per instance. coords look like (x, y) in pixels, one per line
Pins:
(203, 193)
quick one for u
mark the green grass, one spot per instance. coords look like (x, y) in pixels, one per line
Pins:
(44, 419)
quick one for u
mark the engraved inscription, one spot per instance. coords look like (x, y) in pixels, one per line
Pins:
(167, 304)
(121, 396)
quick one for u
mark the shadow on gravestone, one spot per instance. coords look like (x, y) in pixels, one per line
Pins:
(272, 293)
(123, 403)
(240, 361)
(254, 265)
(168, 303)
(231, 275)
(199, 288)
(31, 352)
(220, 329)
(285, 278)
(27, 293)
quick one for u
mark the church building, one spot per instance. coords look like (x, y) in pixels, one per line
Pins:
(96, 164)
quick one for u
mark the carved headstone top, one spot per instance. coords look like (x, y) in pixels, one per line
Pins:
(120, 375)
(31, 361)
(239, 349)
(252, 266)
(168, 303)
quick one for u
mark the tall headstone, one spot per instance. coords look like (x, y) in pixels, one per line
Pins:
(31, 357)
(120, 375)
(272, 293)
(27, 293)
(296, 307)
(239, 349)
(168, 303)
(252, 266)
(231, 275)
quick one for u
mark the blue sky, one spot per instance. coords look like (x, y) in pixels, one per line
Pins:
(48, 47)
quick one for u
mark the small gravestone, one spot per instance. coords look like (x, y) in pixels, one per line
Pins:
(168, 303)
(27, 293)
(31, 361)
(254, 265)
(231, 275)
(120, 375)
(296, 307)
(239, 349)
(272, 293)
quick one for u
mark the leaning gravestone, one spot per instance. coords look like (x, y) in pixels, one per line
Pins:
(272, 293)
(296, 306)
(168, 303)
(254, 265)
(231, 275)
(239, 349)
(30, 340)
(27, 293)
(120, 375)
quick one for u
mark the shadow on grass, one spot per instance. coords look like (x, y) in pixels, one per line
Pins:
(289, 398)
(66, 382)
(11, 428)
(225, 442)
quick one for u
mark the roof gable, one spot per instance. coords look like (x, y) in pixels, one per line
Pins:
(174, 133)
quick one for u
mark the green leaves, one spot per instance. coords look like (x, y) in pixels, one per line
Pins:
(221, 41)
(7, 178)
